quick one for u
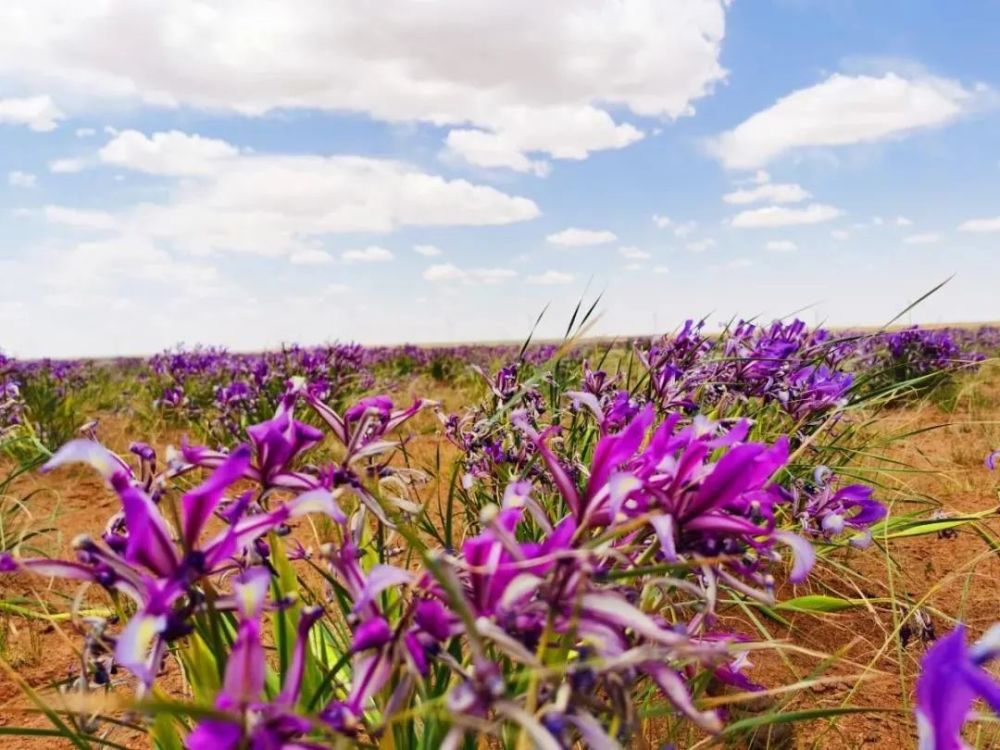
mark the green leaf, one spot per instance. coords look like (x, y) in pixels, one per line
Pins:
(922, 528)
(753, 722)
(819, 603)
(200, 667)
(165, 734)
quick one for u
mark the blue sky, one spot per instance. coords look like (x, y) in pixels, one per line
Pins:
(257, 172)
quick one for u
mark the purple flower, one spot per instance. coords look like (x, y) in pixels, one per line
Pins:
(149, 564)
(951, 678)
(254, 722)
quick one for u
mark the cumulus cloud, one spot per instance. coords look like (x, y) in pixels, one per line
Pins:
(661, 221)
(428, 251)
(700, 246)
(781, 246)
(781, 216)
(574, 237)
(310, 257)
(513, 80)
(17, 178)
(226, 200)
(524, 131)
(81, 219)
(661, 269)
(841, 110)
(685, 228)
(633, 253)
(774, 192)
(924, 238)
(370, 254)
(39, 113)
(170, 153)
(902, 221)
(551, 278)
(68, 165)
(736, 264)
(96, 265)
(980, 225)
(449, 272)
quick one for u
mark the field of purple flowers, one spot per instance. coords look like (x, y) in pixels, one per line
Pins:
(547, 546)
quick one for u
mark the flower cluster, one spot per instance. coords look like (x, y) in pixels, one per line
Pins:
(611, 505)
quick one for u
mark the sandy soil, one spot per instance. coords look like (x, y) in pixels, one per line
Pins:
(950, 577)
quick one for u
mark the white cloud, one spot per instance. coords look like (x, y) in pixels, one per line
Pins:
(170, 153)
(773, 192)
(428, 251)
(491, 275)
(685, 229)
(278, 205)
(902, 221)
(85, 132)
(980, 225)
(925, 238)
(12, 310)
(370, 254)
(39, 113)
(661, 221)
(781, 246)
(17, 178)
(700, 246)
(511, 78)
(570, 132)
(841, 110)
(97, 265)
(551, 278)
(79, 218)
(633, 253)
(780, 216)
(634, 266)
(574, 237)
(310, 257)
(733, 265)
(840, 234)
(445, 272)
(67, 166)
(661, 269)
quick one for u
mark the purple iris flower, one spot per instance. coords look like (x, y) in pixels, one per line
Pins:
(695, 506)
(363, 425)
(276, 444)
(153, 567)
(254, 722)
(828, 512)
(951, 678)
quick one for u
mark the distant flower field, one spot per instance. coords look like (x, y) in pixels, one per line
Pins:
(597, 544)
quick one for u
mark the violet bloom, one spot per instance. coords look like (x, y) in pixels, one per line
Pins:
(276, 443)
(252, 721)
(696, 507)
(153, 567)
(361, 428)
(951, 678)
(826, 512)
